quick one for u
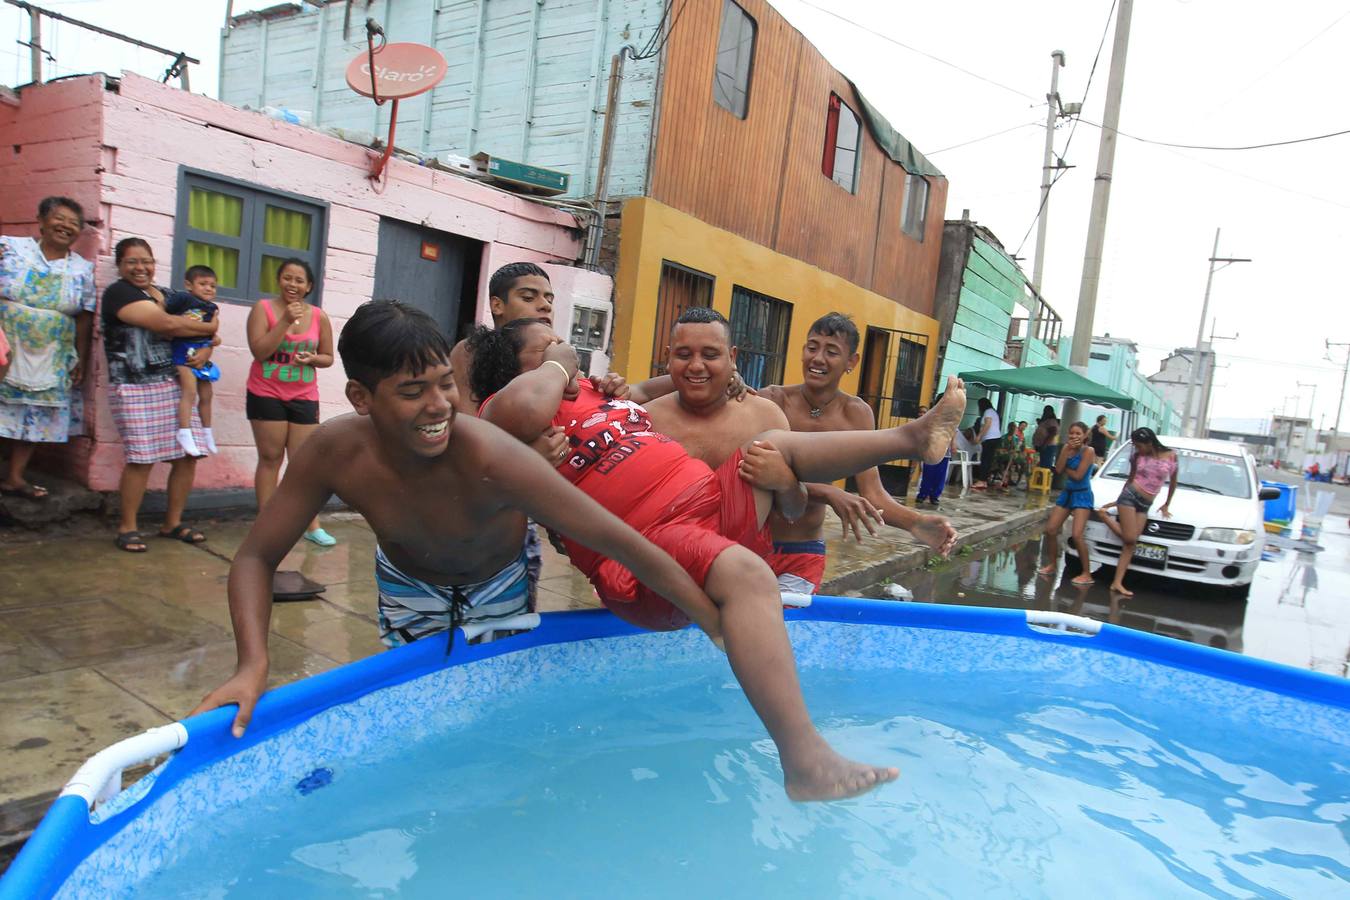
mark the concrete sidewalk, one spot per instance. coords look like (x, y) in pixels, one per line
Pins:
(97, 645)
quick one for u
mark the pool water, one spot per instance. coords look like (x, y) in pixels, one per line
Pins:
(658, 781)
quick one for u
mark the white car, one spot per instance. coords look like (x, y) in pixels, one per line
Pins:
(1215, 535)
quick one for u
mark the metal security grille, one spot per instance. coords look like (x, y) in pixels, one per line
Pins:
(895, 361)
(910, 358)
(759, 330)
(681, 287)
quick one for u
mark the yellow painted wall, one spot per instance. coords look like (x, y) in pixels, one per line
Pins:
(653, 232)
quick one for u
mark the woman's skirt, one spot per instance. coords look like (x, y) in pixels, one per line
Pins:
(146, 416)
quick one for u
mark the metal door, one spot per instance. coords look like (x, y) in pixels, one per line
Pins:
(432, 270)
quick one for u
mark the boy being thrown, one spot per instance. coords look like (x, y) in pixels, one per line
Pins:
(711, 522)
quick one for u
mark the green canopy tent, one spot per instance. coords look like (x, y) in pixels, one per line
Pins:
(1059, 382)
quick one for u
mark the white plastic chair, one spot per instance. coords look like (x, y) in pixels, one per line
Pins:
(964, 461)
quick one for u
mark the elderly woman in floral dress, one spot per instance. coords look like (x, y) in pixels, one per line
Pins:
(47, 305)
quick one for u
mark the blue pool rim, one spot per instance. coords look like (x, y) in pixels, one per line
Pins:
(65, 837)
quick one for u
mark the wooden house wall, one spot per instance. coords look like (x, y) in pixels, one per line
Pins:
(761, 178)
(526, 80)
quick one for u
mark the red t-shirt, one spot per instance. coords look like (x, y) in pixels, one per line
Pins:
(620, 462)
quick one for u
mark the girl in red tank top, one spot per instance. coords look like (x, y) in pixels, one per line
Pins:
(290, 338)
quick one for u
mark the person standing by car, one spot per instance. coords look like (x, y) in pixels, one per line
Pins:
(1075, 464)
(989, 435)
(1101, 438)
(1151, 466)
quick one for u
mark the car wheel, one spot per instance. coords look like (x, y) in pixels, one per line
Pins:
(1238, 591)
(1072, 565)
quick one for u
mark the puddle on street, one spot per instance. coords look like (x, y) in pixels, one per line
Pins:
(1298, 611)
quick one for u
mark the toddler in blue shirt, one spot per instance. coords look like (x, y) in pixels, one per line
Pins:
(195, 302)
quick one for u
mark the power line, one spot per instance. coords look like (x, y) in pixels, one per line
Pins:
(657, 42)
(1302, 140)
(1073, 129)
(1270, 184)
(985, 138)
(1106, 29)
(1262, 77)
(913, 49)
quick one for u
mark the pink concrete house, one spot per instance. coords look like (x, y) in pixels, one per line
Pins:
(203, 180)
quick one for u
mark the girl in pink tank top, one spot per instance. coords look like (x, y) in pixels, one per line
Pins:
(288, 372)
(290, 338)
(1151, 466)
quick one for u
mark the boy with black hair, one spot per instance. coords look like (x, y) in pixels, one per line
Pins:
(446, 495)
(197, 301)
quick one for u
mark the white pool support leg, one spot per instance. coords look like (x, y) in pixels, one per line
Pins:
(1058, 621)
(100, 778)
(488, 629)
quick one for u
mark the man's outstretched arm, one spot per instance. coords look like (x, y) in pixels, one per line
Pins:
(298, 499)
(526, 406)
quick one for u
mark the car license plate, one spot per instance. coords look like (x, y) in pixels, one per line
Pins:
(1151, 552)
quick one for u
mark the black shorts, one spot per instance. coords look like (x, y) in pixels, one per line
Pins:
(270, 409)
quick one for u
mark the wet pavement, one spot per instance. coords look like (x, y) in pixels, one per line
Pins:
(1297, 613)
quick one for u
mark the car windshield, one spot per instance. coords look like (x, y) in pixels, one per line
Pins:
(1209, 473)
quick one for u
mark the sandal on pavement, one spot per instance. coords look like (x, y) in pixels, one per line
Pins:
(130, 541)
(27, 492)
(183, 533)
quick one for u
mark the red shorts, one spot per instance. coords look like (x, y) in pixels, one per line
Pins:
(804, 559)
(713, 515)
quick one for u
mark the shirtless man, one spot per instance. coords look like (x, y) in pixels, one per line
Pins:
(446, 495)
(817, 404)
(698, 416)
(515, 291)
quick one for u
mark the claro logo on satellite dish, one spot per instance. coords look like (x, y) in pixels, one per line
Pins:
(401, 70)
(388, 73)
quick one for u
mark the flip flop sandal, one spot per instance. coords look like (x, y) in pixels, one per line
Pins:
(131, 542)
(183, 533)
(27, 492)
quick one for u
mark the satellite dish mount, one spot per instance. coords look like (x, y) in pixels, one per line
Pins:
(390, 72)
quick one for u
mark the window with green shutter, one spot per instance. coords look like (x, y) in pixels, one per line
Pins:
(244, 232)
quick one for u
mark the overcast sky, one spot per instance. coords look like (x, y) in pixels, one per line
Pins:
(1208, 72)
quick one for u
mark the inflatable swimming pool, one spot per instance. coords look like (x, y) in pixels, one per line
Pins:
(1040, 754)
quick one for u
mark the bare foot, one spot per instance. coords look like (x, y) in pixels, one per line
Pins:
(936, 532)
(825, 775)
(1120, 589)
(941, 421)
(1046, 570)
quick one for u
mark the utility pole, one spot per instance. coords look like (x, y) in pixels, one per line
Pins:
(1101, 199)
(1043, 216)
(1313, 401)
(1345, 370)
(35, 44)
(1190, 423)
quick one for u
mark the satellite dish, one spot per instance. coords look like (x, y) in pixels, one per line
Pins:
(393, 72)
(401, 70)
